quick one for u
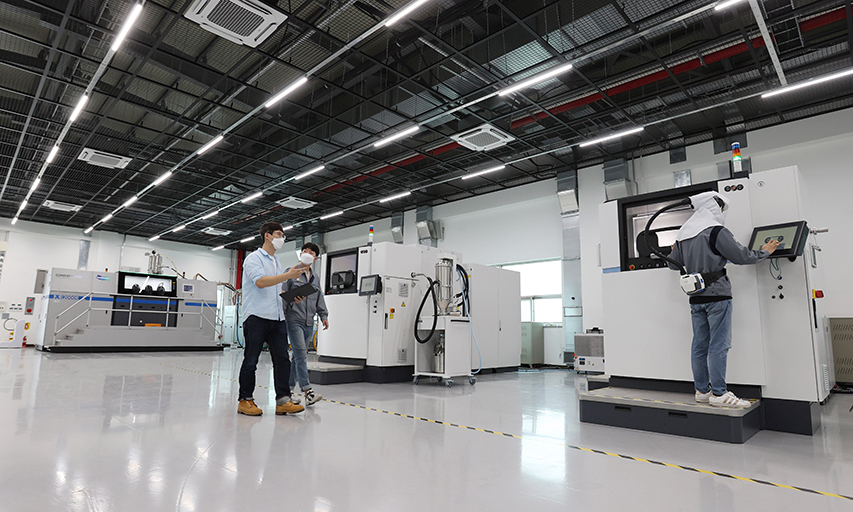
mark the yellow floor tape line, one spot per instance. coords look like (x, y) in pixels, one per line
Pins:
(580, 448)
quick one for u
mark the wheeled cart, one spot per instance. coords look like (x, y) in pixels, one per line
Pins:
(447, 352)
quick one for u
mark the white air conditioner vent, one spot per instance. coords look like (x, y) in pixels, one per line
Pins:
(215, 232)
(62, 207)
(101, 159)
(483, 138)
(247, 22)
(296, 203)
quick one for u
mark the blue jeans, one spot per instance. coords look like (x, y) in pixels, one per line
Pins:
(712, 339)
(300, 335)
(256, 331)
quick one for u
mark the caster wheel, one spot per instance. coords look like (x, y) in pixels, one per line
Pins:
(448, 383)
(415, 381)
(472, 380)
(440, 380)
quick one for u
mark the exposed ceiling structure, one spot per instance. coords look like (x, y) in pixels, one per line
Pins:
(137, 157)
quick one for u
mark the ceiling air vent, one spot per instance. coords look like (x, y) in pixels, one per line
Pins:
(101, 159)
(62, 207)
(247, 22)
(296, 203)
(483, 138)
(215, 232)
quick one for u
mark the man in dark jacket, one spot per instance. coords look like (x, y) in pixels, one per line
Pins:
(300, 322)
(704, 245)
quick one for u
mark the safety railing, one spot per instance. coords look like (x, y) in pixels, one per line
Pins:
(215, 325)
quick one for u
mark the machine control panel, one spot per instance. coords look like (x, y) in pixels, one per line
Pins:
(790, 235)
(30, 305)
(370, 285)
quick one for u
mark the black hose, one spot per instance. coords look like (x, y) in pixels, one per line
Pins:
(466, 301)
(683, 202)
(430, 291)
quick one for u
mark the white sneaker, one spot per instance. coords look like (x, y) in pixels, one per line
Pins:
(728, 400)
(295, 398)
(702, 398)
(311, 397)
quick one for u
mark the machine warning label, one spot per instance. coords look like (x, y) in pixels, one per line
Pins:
(404, 290)
(403, 305)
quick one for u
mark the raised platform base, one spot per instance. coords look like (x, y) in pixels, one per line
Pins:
(333, 373)
(669, 413)
(67, 349)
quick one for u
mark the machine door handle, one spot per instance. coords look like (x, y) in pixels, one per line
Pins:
(386, 321)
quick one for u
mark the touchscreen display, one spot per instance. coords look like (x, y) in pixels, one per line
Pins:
(784, 235)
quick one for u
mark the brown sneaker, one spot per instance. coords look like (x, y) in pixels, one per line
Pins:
(249, 408)
(289, 407)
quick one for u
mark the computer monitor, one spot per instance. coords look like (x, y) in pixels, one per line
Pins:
(370, 285)
(790, 235)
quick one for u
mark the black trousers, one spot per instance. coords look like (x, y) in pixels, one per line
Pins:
(256, 331)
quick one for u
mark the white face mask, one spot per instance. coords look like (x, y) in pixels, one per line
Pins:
(306, 258)
(277, 243)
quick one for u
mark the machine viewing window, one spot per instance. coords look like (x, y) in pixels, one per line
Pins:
(341, 270)
(791, 237)
(147, 284)
(370, 285)
(635, 212)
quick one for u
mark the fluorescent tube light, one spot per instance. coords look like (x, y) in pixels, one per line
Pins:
(287, 90)
(162, 178)
(286, 228)
(251, 197)
(50, 156)
(243, 241)
(209, 215)
(309, 172)
(16, 220)
(88, 230)
(79, 108)
(398, 196)
(155, 237)
(404, 11)
(725, 5)
(536, 79)
(23, 205)
(329, 216)
(216, 140)
(217, 248)
(400, 135)
(130, 201)
(35, 184)
(480, 173)
(807, 83)
(611, 137)
(137, 9)
(108, 217)
(182, 226)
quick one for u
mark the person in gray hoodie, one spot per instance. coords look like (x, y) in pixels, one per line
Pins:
(300, 322)
(704, 245)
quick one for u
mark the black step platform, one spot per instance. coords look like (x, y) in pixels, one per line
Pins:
(669, 412)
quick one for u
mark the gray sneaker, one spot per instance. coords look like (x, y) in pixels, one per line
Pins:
(311, 397)
(295, 398)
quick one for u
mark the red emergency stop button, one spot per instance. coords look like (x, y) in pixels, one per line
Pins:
(392, 310)
(817, 294)
(29, 310)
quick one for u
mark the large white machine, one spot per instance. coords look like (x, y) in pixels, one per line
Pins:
(778, 343)
(373, 294)
(85, 311)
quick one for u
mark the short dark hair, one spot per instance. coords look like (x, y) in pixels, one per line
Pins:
(312, 246)
(269, 227)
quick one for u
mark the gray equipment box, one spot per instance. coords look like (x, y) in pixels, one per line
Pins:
(589, 351)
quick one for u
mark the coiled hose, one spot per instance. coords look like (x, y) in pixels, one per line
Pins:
(429, 292)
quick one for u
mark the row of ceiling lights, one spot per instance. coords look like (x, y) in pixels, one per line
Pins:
(386, 140)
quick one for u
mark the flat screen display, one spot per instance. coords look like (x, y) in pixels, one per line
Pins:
(784, 235)
(369, 285)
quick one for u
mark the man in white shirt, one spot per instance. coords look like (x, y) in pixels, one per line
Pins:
(265, 323)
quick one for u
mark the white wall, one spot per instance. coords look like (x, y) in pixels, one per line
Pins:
(33, 246)
(510, 226)
(821, 147)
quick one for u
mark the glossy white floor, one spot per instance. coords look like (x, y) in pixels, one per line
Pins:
(158, 431)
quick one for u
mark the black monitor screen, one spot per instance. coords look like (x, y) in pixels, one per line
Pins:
(791, 237)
